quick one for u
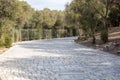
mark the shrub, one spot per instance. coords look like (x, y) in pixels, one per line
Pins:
(1, 43)
(104, 36)
(8, 42)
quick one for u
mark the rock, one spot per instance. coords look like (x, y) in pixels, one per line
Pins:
(77, 40)
(97, 45)
(118, 52)
(106, 48)
(117, 44)
(109, 47)
(112, 46)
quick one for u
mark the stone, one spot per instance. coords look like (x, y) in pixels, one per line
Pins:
(109, 47)
(106, 48)
(117, 44)
(118, 52)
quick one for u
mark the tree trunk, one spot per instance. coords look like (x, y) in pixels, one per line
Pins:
(93, 34)
(94, 39)
(104, 32)
(106, 27)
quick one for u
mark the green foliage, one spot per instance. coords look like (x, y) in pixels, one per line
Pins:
(104, 36)
(47, 19)
(83, 14)
(114, 15)
(16, 15)
(8, 42)
(24, 14)
(13, 13)
(8, 12)
(88, 13)
(1, 43)
(8, 8)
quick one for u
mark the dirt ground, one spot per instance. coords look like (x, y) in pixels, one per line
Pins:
(114, 40)
(2, 50)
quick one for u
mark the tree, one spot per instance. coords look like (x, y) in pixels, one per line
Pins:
(104, 10)
(8, 12)
(37, 19)
(85, 16)
(89, 13)
(24, 14)
(8, 9)
(114, 14)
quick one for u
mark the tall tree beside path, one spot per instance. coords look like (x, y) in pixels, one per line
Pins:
(8, 15)
(13, 14)
(92, 16)
(85, 16)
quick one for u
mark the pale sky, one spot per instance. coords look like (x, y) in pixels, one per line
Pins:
(51, 4)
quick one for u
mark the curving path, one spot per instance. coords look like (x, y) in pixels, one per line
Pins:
(57, 59)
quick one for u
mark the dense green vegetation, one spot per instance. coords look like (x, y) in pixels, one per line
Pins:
(94, 16)
(18, 21)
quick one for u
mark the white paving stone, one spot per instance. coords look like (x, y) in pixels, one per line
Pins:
(57, 59)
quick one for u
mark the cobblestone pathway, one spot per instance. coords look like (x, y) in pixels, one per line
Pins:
(57, 59)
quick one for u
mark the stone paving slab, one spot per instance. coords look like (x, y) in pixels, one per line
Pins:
(57, 59)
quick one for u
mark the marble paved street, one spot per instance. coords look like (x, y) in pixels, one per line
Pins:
(57, 59)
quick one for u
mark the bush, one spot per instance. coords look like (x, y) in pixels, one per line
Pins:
(8, 42)
(1, 43)
(104, 36)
